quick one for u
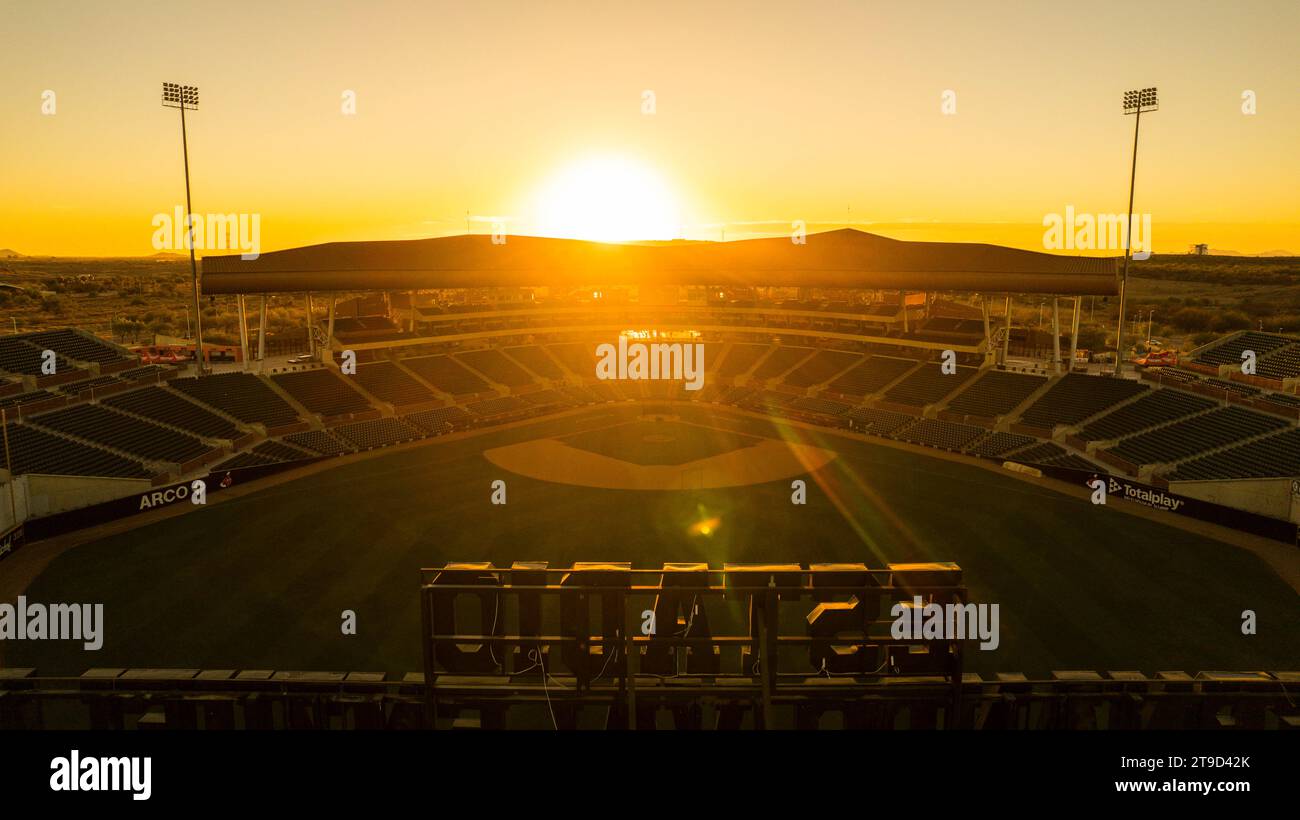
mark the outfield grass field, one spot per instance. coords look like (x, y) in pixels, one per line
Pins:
(260, 580)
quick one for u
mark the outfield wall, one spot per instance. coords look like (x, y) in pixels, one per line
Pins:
(53, 494)
(1272, 497)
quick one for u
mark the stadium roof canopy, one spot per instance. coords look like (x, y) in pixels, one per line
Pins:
(835, 259)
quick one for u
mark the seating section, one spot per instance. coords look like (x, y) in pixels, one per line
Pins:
(1282, 399)
(27, 398)
(32, 450)
(1230, 351)
(945, 435)
(81, 385)
(821, 366)
(322, 391)
(101, 425)
(871, 375)
(825, 407)
(1157, 407)
(995, 393)
(161, 404)
(1277, 455)
(319, 441)
(440, 419)
(1053, 455)
(372, 433)
(268, 452)
(1185, 438)
(1077, 397)
(927, 385)
(1237, 388)
(446, 374)
(17, 355)
(241, 395)
(781, 359)
(999, 444)
(388, 382)
(767, 401)
(578, 358)
(741, 358)
(878, 422)
(497, 406)
(549, 398)
(536, 360)
(1283, 363)
(72, 345)
(493, 364)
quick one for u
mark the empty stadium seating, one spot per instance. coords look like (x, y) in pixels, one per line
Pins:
(999, 444)
(366, 435)
(780, 360)
(740, 358)
(579, 358)
(160, 404)
(322, 391)
(101, 425)
(1283, 363)
(388, 382)
(942, 434)
(825, 407)
(927, 385)
(73, 345)
(1273, 456)
(878, 422)
(1157, 407)
(440, 419)
(536, 360)
(1196, 434)
(241, 395)
(995, 393)
(871, 375)
(37, 451)
(1077, 397)
(319, 441)
(27, 398)
(446, 374)
(497, 406)
(820, 367)
(1229, 352)
(17, 355)
(493, 364)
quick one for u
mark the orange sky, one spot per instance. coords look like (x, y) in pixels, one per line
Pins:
(765, 113)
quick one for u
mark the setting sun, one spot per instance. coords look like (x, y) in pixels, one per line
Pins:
(607, 199)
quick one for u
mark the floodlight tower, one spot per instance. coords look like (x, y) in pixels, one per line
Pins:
(183, 97)
(1135, 102)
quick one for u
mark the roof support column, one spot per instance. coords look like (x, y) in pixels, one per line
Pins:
(988, 338)
(1074, 333)
(1056, 335)
(261, 336)
(1006, 336)
(329, 335)
(243, 331)
(311, 331)
(902, 300)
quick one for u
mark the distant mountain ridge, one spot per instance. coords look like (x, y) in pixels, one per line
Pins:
(1273, 253)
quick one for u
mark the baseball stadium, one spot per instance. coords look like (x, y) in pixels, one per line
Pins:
(522, 482)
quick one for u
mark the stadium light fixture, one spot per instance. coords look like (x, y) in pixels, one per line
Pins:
(185, 97)
(1135, 103)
